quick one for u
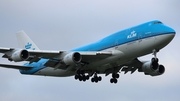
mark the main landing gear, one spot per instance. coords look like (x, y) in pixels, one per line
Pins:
(81, 76)
(114, 78)
(96, 78)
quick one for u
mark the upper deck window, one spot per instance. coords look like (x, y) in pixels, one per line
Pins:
(157, 22)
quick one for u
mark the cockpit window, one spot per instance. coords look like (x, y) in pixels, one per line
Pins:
(157, 22)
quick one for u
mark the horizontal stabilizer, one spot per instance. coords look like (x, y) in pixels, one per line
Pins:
(16, 66)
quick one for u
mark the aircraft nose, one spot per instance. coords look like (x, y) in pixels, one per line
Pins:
(170, 30)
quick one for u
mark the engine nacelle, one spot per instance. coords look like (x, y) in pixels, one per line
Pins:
(153, 69)
(19, 55)
(72, 58)
(160, 71)
(148, 67)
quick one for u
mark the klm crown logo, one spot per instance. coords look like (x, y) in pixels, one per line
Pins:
(28, 46)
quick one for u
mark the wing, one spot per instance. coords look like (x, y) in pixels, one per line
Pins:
(87, 57)
(16, 67)
(33, 55)
(130, 66)
(54, 57)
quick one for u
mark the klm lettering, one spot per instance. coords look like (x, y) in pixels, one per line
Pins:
(133, 34)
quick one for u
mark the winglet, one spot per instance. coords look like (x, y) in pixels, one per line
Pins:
(25, 42)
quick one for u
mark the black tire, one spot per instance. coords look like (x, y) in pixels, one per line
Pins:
(96, 79)
(99, 78)
(154, 60)
(111, 80)
(114, 75)
(117, 75)
(92, 79)
(84, 79)
(115, 80)
(80, 78)
(76, 76)
(87, 77)
(157, 60)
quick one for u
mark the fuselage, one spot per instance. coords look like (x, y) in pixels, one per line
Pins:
(128, 44)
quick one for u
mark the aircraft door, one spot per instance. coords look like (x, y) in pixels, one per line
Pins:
(140, 37)
(116, 44)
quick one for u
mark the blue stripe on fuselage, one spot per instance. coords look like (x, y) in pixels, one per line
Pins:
(142, 31)
(36, 66)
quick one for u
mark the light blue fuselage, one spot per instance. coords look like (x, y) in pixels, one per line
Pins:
(142, 31)
(128, 36)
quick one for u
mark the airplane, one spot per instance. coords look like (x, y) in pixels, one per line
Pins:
(116, 53)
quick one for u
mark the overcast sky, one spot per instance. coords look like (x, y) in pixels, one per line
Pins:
(67, 24)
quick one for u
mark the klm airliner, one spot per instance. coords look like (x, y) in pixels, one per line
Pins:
(116, 53)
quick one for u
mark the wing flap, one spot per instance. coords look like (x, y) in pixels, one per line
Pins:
(37, 54)
(44, 53)
(132, 66)
(3, 50)
(16, 66)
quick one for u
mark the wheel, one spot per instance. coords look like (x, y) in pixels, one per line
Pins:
(154, 60)
(117, 75)
(114, 75)
(84, 78)
(76, 76)
(80, 78)
(115, 80)
(96, 79)
(99, 78)
(87, 77)
(92, 79)
(111, 80)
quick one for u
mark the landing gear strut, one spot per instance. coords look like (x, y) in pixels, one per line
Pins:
(155, 60)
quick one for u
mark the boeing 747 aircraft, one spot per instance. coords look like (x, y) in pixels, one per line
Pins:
(113, 54)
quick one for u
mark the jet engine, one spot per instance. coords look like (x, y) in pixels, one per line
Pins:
(153, 68)
(72, 58)
(19, 55)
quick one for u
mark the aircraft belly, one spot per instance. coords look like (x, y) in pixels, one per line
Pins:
(131, 51)
(145, 46)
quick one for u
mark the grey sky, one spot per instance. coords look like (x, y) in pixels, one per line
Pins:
(64, 24)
